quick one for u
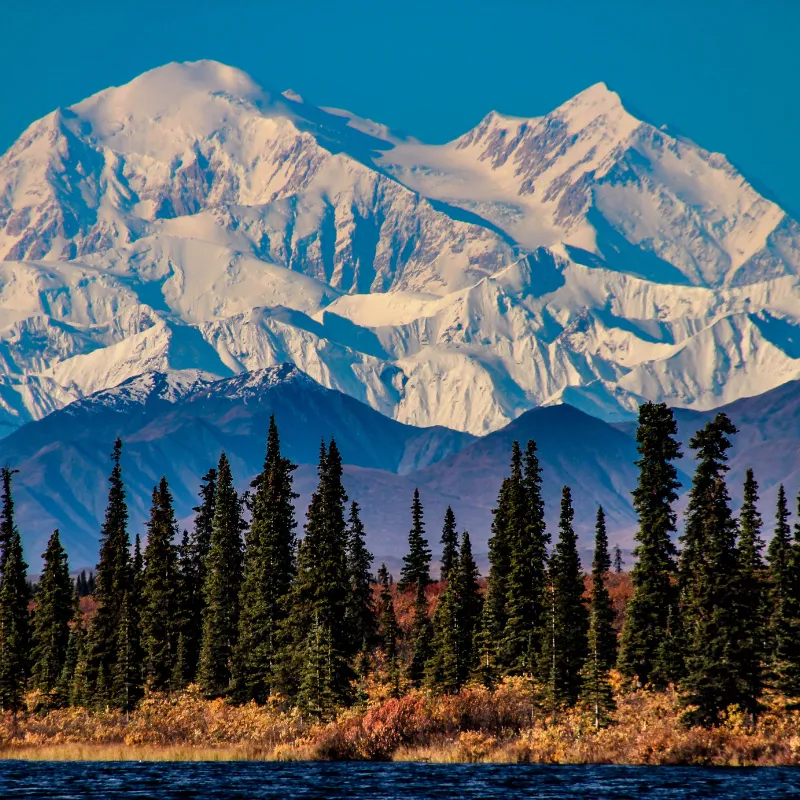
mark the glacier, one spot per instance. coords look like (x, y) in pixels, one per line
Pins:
(194, 222)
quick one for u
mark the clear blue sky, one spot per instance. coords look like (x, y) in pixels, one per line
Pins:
(723, 72)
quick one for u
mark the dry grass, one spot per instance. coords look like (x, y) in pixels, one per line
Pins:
(477, 725)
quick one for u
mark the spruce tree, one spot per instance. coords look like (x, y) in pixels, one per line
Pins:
(160, 612)
(389, 631)
(321, 643)
(449, 543)
(360, 611)
(784, 561)
(618, 562)
(193, 557)
(494, 618)
(421, 637)
(470, 610)
(61, 693)
(112, 579)
(221, 587)
(710, 583)
(51, 617)
(565, 647)
(528, 539)
(644, 645)
(267, 575)
(127, 677)
(14, 621)
(751, 596)
(602, 652)
(442, 667)
(77, 684)
(416, 564)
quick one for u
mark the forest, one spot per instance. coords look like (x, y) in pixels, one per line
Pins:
(242, 615)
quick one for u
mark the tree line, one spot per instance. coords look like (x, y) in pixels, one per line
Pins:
(246, 609)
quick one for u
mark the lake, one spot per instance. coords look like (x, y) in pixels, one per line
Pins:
(255, 781)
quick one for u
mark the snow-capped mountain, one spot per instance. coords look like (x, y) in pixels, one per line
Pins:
(193, 221)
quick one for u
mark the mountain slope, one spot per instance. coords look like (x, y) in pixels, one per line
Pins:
(193, 220)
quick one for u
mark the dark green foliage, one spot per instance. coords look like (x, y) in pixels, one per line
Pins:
(320, 642)
(192, 565)
(527, 544)
(160, 610)
(416, 564)
(14, 622)
(360, 611)
(421, 637)
(267, 576)
(643, 651)
(84, 584)
(564, 651)
(494, 608)
(784, 571)
(76, 679)
(54, 609)
(449, 543)
(112, 580)
(710, 584)
(221, 587)
(126, 679)
(602, 652)
(751, 596)
(470, 610)
(618, 562)
(389, 630)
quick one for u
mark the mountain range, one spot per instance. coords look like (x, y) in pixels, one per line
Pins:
(184, 254)
(193, 220)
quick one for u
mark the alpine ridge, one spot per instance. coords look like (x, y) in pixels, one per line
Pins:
(191, 222)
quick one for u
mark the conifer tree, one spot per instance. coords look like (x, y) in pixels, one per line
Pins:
(710, 583)
(421, 637)
(51, 617)
(360, 611)
(193, 556)
(470, 610)
(267, 575)
(449, 543)
(389, 631)
(416, 564)
(14, 622)
(221, 587)
(494, 617)
(564, 651)
(751, 596)
(602, 652)
(528, 539)
(618, 562)
(77, 688)
(127, 677)
(319, 601)
(61, 693)
(160, 601)
(112, 578)
(644, 645)
(784, 561)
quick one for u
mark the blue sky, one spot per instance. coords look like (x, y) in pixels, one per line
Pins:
(723, 73)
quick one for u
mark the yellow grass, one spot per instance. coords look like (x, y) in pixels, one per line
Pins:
(505, 725)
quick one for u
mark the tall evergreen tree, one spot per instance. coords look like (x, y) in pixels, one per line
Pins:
(494, 618)
(710, 583)
(784, 563)
(416, 564)
(269, 568)
(360, 611)
(618, 562)
(644, 646)
(449, 543)
(602, 653)
(421, 637)
(160, 611)
(14, 622)
(51, 617)
(526, 586)
(470, 610)
(112, 579)
(751, 596)
(221, 587)
(76, 680)
(193, 556)
(61, 693)
(565, 647)
(389, 630)
(319, 602)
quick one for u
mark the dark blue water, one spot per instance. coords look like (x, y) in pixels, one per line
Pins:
(254, 781)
